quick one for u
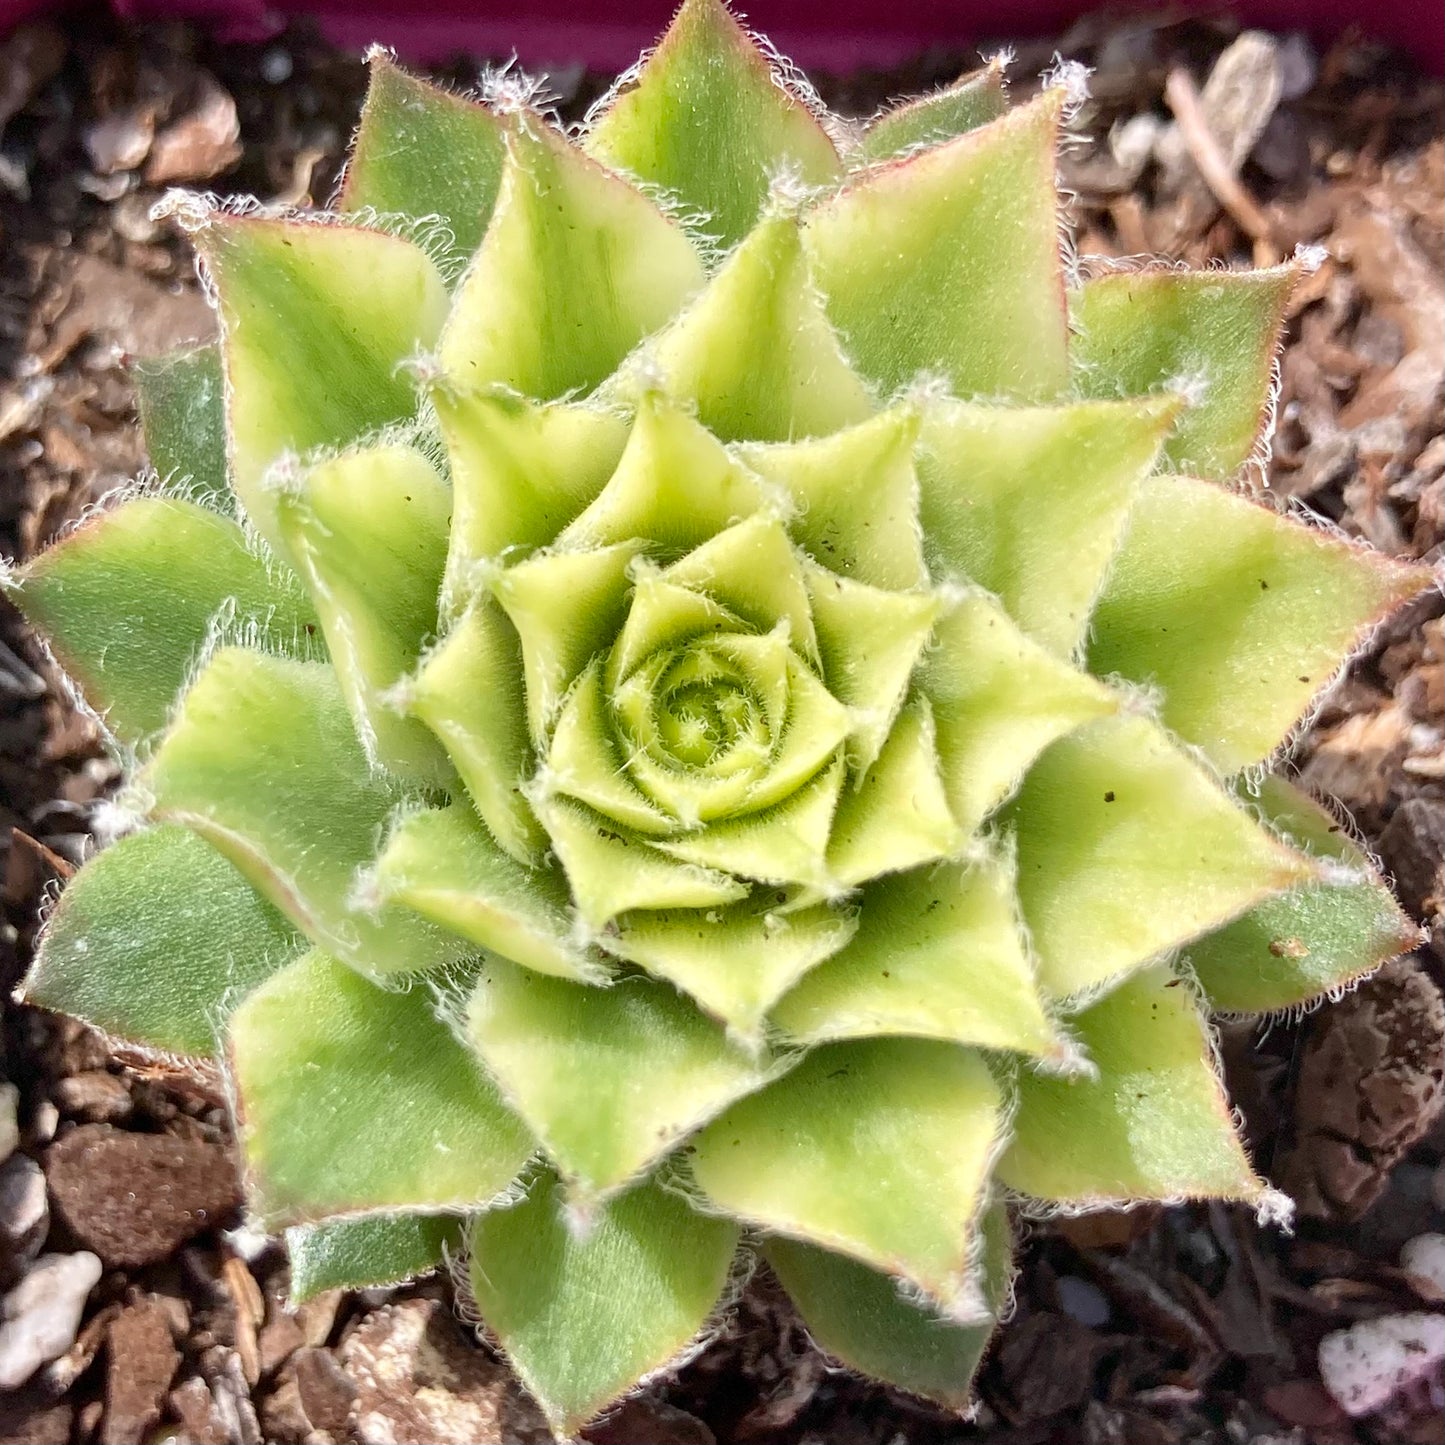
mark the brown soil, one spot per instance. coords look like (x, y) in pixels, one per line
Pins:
(1167, 1326)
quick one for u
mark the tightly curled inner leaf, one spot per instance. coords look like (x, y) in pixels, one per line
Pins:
(713, 730)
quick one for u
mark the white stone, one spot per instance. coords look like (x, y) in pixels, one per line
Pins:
(42, 1313)
(1424, 1257)
(1367, 1365)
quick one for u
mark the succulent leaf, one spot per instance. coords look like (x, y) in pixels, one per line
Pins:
(907, 256)
(861, 1318)
(368, 1251)
(708, 118)
(263, 762)
(368, 533)
(315, 322)
(939, 953)
(1153, 1124)
(156, 941)
(575, 269)
(754, 352)
(583, 1316)
(609, 1079)
(181, 398)
(971, 101)
(1211, 335)
(132, 598)
(1031, 502)
(1241, 637)
(359, 1099)
(803, 1158)
(1128, 848)
(1319, 936)
(445, 865)
(423, 152)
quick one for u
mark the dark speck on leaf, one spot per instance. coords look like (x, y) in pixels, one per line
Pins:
(1109, 796)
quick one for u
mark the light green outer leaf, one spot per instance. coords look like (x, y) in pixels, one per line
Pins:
(736, 962)
(609, 1079)
(378, 1249)
(1312, 939)
(520, 473)
(860, 1317)
(754, 351)
(368, 532)
(939, 953)
(877, 1148)
(182, 404)
(315, 320)
(1155, 1124)
(445, 865)
(948, 262)
(930, 120)
(575, 269)
(155, 940)
(1127, 848)
(583, 1318)
(354, 1098)
(709, 119)
(469, 693)
(1209, 334)
(1030, 502)
(1238, 614)
(262, 762)
(421, 152)
(999, 699)
(127, 601)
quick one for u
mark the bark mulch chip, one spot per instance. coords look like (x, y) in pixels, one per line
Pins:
(1187, 1326)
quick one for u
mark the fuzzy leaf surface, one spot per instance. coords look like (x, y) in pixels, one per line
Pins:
(1312, 939)
(609, 1079)
(359, 1098)
(583, 1317)
(367, 1252)
(755, 351)
(422, 152)
(1155, 1124)
(1030, 502)
(182, 402)
(128, 601)
(908, 258)
(999, 699)
(575, 269)
(806, 1156)
(860, 1317)
(368, 532)
(1127, 848)
(1239, 615)
(1211, 334)
(709, 119)
(446, 866)
(155, 940)
(315, 321)
(930, 120)
(264, 763)
(939, 953)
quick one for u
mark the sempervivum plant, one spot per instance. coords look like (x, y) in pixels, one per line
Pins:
(694, 687)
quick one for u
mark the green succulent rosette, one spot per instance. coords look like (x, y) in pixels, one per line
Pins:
(693, 688)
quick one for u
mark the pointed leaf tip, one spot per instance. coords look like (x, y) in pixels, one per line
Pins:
(709, 118)
(584, 1316)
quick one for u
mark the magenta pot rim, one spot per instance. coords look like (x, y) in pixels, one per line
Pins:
(837, 35)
